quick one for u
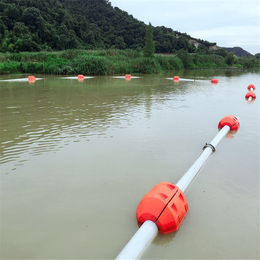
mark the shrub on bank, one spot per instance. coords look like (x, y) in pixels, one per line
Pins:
(31, 67)
(91, 65)
(56, 66)
(145, 65)
(9, 67)
(112, 61)
(208, 61)
(169, 62)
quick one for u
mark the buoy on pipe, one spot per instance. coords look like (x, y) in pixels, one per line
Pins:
(230, 121)
(214, 81)
(251, 87)
(176, 78)
(127, 76)
(164, 207)
(164, 204)
(80, 77)
(31, 79)
(250, 94)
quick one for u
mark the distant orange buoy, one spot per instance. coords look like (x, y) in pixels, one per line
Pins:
(80, 77)
(176, 78)
(128, 76)
(31, 79)
(214, 81)
(230, 121)
(250, 94)
(251, 86)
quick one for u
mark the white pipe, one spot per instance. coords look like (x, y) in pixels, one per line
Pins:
(141, 239)
(148, 231)
(187, 178)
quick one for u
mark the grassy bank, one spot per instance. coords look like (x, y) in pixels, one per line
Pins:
(104, 62)
(86, 62)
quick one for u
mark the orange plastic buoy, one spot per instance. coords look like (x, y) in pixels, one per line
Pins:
(80, 77)
(31, 79)
(251, 86)
(230, 121)
(214, 81)
(128, 76)
(173, 214)
(250, 94)
(164, 204)
(176, 78)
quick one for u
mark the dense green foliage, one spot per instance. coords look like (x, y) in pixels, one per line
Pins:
(111, 61)
(149, 47)
(51, 25)
(86, 62)
(230, 59)
(94, 38)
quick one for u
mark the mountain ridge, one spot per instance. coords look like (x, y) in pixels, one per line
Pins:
(27, 25)
(238, 51)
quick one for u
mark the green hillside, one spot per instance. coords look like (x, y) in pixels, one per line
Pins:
(53, 25)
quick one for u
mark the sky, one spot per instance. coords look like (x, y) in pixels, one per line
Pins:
(229, 23)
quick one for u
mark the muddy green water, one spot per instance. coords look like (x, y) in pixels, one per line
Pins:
(77, 158)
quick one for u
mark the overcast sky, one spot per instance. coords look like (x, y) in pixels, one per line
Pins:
(229, 23)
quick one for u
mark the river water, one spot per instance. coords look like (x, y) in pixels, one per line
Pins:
(77, 158)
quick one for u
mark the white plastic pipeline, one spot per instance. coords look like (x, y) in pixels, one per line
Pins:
(148, 231)
(141, 239)
(187, 178)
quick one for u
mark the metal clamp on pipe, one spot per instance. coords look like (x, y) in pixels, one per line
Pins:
(210, 146)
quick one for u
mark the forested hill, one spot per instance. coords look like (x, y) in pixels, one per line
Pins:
(29, 25)
(238, 51)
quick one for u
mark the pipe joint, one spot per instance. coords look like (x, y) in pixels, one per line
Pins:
(210, 146)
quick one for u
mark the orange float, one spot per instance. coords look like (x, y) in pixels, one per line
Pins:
(251, 86)
(165, 204)
(128, 76)
(250, 94)
(214, 81)
(31, 79)
(173, 214)
(80, 77)
(230, 121)
(176, 78)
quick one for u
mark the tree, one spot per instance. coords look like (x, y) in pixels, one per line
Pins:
(149, 47)
(185, 57)
(32, 17)
(120, 43)
(230, 59)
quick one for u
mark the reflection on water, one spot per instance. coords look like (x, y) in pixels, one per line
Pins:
(51, 114)
(77, 157)
(18, 80)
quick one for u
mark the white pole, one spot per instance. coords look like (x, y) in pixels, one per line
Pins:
(148, 231)
(187, 178)
(141, 239)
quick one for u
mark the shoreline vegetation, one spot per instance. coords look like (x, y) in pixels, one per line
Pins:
(115, 61)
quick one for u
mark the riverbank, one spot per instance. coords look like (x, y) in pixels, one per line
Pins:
(104, 62)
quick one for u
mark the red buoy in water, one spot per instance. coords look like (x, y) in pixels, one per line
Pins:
(214, 81)
(230, 121)
(176, 78)
(128, 76)
(251, 86)
(250, 94)
(164, 204)
(31, 79)
(80, 77)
